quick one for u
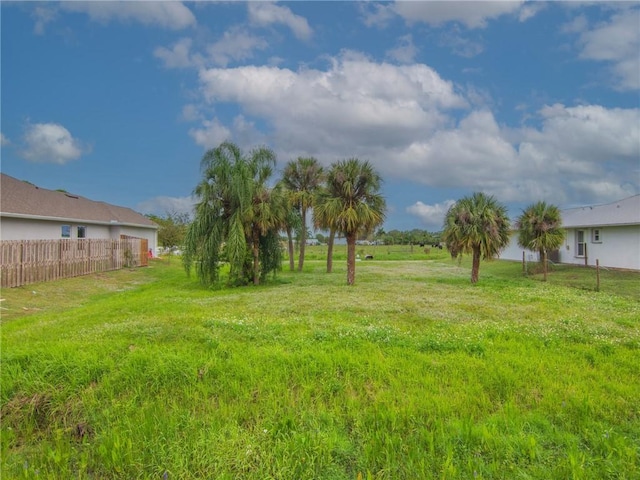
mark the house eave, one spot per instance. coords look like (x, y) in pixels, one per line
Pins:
(75, 220)
(601, 225)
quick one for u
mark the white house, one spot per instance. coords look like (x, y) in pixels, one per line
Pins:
(28, 212)
(608, 233)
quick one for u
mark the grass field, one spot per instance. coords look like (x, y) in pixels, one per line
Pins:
(412, 373)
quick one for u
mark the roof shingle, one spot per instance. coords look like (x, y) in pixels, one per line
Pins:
(20, 198)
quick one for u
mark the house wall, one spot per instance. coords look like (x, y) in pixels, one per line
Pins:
(618, 247)
(33, 229)
(514, 252)
(150, 234)
(29, 229)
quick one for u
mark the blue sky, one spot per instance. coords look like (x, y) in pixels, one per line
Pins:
(527, 101)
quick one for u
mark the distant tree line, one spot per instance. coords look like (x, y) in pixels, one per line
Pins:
(408, 237)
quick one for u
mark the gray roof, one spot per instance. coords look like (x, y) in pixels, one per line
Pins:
(25, 200)
(622, 212)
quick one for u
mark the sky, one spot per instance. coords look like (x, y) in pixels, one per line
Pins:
(526, 101)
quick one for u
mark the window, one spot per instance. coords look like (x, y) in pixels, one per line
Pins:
(66, 231)
(596, 236)
(580, 243)
(82, 232)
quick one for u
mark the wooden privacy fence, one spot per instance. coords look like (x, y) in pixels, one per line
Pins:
(29, 261)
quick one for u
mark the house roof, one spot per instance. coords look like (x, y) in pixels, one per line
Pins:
(622, 212)
(25, 200)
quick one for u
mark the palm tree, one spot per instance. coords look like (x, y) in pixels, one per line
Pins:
(292, 223)
(237, 213)
(478, 225)
(269, 207)
(352, 204)
(321, 220)
(540, 229)
(303, 177)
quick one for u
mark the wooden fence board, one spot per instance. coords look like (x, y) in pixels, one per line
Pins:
(29, 261)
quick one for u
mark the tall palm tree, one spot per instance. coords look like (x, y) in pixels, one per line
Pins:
(352, 204)
(234, 211)
(303, 177)
(269, 209)
(292, 223)
(540, 229)
(321, 220)
(478, 225)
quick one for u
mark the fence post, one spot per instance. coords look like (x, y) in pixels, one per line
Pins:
(586, 258)
(21, 265)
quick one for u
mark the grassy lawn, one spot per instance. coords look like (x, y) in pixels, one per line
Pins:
(412, 373)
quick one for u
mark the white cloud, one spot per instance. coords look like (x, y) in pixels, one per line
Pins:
(578, 25)
(616, 41)
(601, 189)
(43, 15)
(376, 14)
(582, 153)
(266, 13)
(475, 153)
(530, 10)
(50, 143)
(4, 141)
(478, 97)
(164, 205)
(354, 103)
(243, 132)
(401, 118)
(190, 113)
(405, 52)
(473, 14)
(591, 132)
(171, 15)
(461, 46)
(431, 215)
(211, 135)
(179, 55)
(236, 44)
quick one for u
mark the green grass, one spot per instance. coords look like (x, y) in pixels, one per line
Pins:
(411, 373)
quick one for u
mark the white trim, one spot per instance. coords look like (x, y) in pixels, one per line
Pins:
(26, 216)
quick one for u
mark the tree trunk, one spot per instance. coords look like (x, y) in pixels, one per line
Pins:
(256, 259)
(332, 236)
(544, 264)
(303, 239)
(475, 266)
(292, 261)
(351, 259)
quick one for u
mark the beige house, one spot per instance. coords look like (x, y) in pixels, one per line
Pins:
(28, 212)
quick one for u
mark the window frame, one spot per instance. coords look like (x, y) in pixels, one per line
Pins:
(66, 228)
(581, 243)
(596, 235)
(83, 229)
